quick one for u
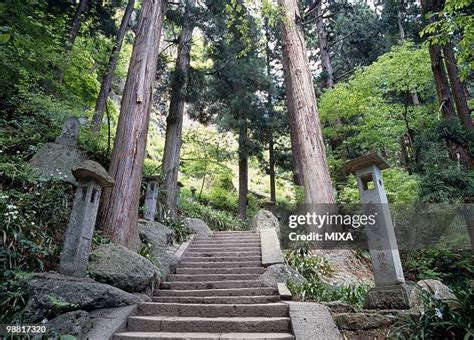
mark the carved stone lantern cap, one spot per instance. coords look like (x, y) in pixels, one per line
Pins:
(366, 161)
(93, 170)
(153, 178)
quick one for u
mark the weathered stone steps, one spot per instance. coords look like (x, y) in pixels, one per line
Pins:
(218, 292)
(211, 277)
(215, 294)
(230, 284)
(201, 336)
(217, 299)
(200, 324)
(238, 270)
(247, 258)
(223, 254)
(214, 310)
(221, 264)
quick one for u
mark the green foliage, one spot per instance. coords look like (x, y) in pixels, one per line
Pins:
(180, 228)
(455, 19)
(374, 109)
(439, 319)
(313, 268)
(320, 291)
(215, 219)
(454, 267)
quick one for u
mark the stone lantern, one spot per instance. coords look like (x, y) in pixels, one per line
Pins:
(390, 290)
(151, 196)
(193, 192)
(91, 178)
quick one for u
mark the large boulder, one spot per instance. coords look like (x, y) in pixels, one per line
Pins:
(75, 323)
(160, 238)
(156, 233)
(280, 273)
(122, 268)
(55, 161)
(199, 227)
(264, 219)
(51, 294)
(436, 288)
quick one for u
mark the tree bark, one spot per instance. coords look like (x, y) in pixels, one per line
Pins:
(457, 86)
(301, 99)
(76, 23)
(243, 170)
(327, 76)
(174, 121)
(271, 146)
(106, 84)
(119, 208)
(441, 82)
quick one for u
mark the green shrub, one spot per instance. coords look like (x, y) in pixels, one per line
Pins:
(310, 267)
(313, 268)
(215, 219)
(439, 319)
(180, 228)
(453, 267)
(319, 291)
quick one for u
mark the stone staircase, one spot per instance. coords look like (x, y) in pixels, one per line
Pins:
(215, 294)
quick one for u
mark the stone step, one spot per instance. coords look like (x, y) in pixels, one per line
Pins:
(211, 277)
(255, 258)
(224, 264)
(201, 336)
(231, 284)
(254, 291)
(238, 270)
(222, 254)
(216, 325)
(232, 237)
(223, 249)
(234, 232)
(214, 310)
(219, 243)
(217, 299)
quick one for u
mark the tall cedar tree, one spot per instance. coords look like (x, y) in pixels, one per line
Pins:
(119, 208)
(174, 121)
(307, 140)
(106, 84)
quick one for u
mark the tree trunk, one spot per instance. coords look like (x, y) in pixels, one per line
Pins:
(441, 82)
(327, 76)
(301, 99)
(243, 171)
(76, 23)
(457, 87)
(106, 84)
(174, 121)
(119, 208)
(271, 146)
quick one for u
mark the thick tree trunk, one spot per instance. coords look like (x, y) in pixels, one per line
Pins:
(302, 101)
(327, 76)
(106, 84)
(76, 23)
(243, 171)
(174, 121)
(119, 208)
(457, 87)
